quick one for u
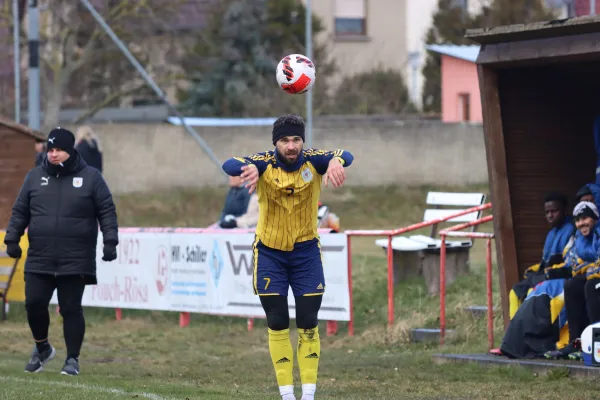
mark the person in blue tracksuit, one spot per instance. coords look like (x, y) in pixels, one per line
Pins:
(561, 230)
(581, 294)
(597, 144)
(552, 314)
(589, 192)
(236, 203)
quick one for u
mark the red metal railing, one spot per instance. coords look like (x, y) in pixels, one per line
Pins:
(390, 255)
(184, 317)
(453, 231)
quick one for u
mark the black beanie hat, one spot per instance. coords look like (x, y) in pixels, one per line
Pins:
(585, 190)
(287, 129)
(61, 138)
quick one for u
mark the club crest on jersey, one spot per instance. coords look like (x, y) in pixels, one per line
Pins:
(77, 182)
(307, 175)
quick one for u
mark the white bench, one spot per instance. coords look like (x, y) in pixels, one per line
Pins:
(419, 254)
(439, 199)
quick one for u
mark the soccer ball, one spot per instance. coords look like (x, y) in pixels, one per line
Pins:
(296, 74)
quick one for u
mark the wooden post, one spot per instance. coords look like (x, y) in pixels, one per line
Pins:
(500, 192)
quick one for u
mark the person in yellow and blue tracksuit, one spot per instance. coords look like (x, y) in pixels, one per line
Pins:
(582, 292)
(541, 326)
(286, 250)
(561, 230)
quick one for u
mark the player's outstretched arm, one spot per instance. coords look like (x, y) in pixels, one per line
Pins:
(233, 166)
(248, 168)
(331, 165)
(344, 156)
(321, 158)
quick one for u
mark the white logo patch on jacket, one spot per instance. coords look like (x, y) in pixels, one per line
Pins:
(307, 175)
(77, 182)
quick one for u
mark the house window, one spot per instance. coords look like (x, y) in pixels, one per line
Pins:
(464, 4)
(350, 17)
(464, 107)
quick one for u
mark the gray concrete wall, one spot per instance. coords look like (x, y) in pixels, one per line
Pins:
(141, 157)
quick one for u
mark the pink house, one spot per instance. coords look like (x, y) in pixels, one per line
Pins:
(461, 101)
(582, 7)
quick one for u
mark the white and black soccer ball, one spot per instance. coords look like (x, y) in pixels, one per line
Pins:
(296, 74)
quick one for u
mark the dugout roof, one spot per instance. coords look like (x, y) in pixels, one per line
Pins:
(540, 91)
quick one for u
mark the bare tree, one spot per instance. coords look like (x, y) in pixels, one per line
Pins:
(79, 64)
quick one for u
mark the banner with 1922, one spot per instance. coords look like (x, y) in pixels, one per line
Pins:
(208, 273)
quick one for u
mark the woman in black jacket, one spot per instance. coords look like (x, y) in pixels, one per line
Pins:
(40, 152)
(88, 146)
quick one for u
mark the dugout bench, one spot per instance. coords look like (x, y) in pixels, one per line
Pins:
(419, 255)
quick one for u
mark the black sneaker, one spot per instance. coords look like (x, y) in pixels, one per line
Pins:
(71, 367)
(576, 356)
(38, 360)
(563, 354)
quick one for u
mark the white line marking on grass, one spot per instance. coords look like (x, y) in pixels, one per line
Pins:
(96, 388)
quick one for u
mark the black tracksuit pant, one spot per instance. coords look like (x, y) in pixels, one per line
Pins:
(582, 302)
(38, 292)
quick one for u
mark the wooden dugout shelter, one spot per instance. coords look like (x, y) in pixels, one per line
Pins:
(540, 91)
(17, 143)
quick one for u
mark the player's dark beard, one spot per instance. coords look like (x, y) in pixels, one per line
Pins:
(284, 157)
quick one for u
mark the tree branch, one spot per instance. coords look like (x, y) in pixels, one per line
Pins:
(54, 61)
(66, 34)
(118, 94)
(87, 51)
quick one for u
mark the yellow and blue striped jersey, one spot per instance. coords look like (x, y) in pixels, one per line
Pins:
(288, 195)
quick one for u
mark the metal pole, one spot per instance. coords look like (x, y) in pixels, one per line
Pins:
(592, 7)
(490, 302)
(309, 95)
(390, 274)
(414, 63)
(442, 289)
(415, 72)
(351, 322)
(33, 36)
(152, 84)
(17, 56)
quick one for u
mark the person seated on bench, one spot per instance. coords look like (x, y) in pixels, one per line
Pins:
(326, 219)
(247, 220)
(236, 202)
(589, 192)
(596, 131)
(540, 324)
(561, 229)
(582, 292)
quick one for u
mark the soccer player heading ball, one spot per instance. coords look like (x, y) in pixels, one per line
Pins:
(286, 250)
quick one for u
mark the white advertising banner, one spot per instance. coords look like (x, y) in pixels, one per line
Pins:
(136, 279)
(209, 273)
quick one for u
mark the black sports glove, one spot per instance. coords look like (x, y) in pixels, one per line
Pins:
(228, 222)
(13, 250)
(231, 224)
(558, 273)
(555, 259)
(110, 252)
